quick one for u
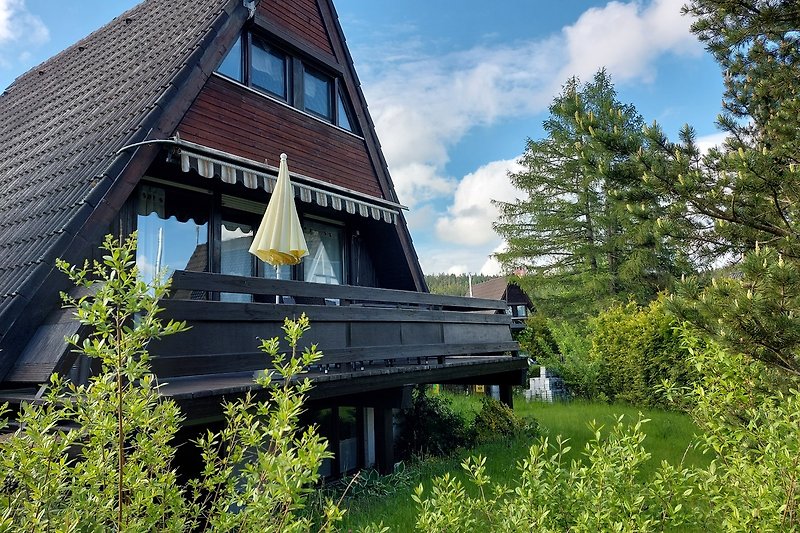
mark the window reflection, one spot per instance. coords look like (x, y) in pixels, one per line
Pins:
(343, 112)
(232, 64)
(235, 258)
(317, 94)
(324, 261)
(267, 68)
(170, 236)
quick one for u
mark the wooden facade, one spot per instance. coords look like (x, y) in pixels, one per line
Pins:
(228, 117)
(184, 151)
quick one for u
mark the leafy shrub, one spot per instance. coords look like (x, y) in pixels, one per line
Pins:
(496, 420)
(537, 340)
(573, 363)
(749, 412)
(431, 427)
(601, 493)
(98, 457)
(637, 348)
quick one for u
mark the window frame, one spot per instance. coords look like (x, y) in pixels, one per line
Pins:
(288, 59)
(296, 65)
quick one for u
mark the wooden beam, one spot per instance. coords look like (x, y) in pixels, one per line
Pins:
(205, 281)
(204, 364)
(384, 440)
(507, 395)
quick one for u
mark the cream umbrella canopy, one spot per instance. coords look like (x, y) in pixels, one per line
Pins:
(279, 239)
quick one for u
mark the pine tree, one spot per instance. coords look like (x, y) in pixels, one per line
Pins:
(585, 232)
(741, 201)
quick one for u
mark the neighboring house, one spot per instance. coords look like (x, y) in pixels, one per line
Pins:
(161, 122)
(518, 305)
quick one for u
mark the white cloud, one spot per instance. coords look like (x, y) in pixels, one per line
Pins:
(706, 142)
(626, 38)
(17, 24)
(492, 266)
(457, 269)
(469, 219)
(421, 218)
(423, 105)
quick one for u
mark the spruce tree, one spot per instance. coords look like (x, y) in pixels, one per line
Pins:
(585, 231)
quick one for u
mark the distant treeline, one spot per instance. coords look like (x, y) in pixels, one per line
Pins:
(453, 284)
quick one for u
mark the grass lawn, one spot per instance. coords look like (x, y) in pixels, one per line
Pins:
(668, 437)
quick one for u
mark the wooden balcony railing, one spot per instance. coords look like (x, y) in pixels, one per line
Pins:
(353, 326)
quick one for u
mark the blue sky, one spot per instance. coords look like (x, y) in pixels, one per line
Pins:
(456, 87)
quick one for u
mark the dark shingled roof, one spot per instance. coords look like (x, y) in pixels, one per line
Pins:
(64, 121)
(494, 289)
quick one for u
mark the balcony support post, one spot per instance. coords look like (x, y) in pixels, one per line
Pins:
(384, 440)
(507, 395)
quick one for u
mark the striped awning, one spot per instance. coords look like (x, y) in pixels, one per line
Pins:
(337, 198)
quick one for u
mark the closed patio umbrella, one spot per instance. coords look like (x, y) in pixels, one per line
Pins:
(279, 239)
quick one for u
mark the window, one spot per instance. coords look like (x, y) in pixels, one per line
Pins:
(172, 236)
(324, 261)
(235, 258)
(232, 64)
(267, 68)
(294, 80)
(317, 94)
(343, 112)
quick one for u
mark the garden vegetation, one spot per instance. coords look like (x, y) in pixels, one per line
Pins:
(626, 318)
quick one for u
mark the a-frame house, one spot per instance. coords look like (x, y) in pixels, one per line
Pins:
(170, 120)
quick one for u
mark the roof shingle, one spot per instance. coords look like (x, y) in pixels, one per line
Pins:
(64, 121)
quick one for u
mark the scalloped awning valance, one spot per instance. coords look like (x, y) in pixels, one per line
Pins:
(232, 169)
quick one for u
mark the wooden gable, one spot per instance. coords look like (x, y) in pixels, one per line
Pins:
(236, 119)
(301, 18)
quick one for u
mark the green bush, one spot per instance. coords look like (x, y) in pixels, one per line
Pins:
(98, 457)
(495, 421)
(431, 427)
(536, 339)
(601, 493)
(573, 363)
(637, 348)
(750, 415)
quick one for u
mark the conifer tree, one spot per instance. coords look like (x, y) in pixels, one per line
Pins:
(585, 232)
(741, 200)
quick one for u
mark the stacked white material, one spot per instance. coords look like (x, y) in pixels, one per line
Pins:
(546, 387)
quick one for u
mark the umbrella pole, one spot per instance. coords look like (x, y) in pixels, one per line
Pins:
(277, 276)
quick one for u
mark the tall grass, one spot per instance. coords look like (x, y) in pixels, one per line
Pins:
(669, 437)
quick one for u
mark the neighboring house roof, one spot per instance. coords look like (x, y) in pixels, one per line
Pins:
(494, 289)
(502, 289)
(64, 124)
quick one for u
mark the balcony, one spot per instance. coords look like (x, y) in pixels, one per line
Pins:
(373, 339)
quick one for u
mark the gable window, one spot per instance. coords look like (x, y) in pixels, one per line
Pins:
(317, 93)
(343, 112)
(301, 83)
(232, 64)
(267, 68)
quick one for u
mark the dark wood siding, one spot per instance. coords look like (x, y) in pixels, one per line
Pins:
(228, 117)
(299, 17)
